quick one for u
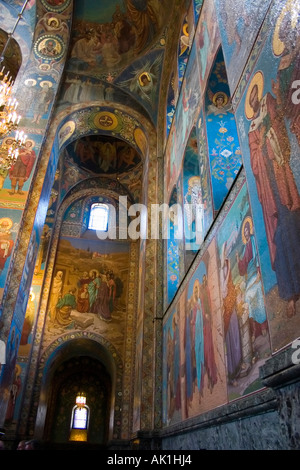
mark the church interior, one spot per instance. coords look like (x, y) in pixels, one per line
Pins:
(150, 224)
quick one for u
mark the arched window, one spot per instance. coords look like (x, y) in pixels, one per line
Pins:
(80, 419)
(98, 219)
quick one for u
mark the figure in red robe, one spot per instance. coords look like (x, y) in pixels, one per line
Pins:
(21, 170)
(270, 154)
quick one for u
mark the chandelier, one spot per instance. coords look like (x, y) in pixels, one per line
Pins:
(9, 119)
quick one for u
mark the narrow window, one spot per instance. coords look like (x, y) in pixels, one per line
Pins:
(80, 419)
(99, 217)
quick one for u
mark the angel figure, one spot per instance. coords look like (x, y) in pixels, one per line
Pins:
(220, 103)
(145, 80)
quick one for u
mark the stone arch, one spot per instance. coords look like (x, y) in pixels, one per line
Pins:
(46, 167)
(66, 347)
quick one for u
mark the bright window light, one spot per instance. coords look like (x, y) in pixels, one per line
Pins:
(80, 418)
(99, 217)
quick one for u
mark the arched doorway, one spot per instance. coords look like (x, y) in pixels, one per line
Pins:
(81, 374)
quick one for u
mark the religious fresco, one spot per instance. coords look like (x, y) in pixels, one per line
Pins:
(204, 173)
(183, 120)
(137, 393)
(192, 195)
(29, 321)
(103, 155)
(15, 181)
(207, 40)
(15, 396)
(51, 24)
(41, 75)
(12, 60)
(202, 347)
(268, 116)
(171, 400)
(282, 322)
(86, 89)
(197, 8)
(89, 288)
(194, 363)
(144, 80)
(183, 49)
(25, 343)
(106, 121)
(245, 322)
(10, 375)
(125, 30)
(86, 135)
(216, 334)
(187, 104)
(56, 6)
(173, 255)
(172, 160)
(195, 186)
(22, 34)
(223, 143)
(170, 103)
(108, 49)
(239, 23)
(36, 103)
(9, 227)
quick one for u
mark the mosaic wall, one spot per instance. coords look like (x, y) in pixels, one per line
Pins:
(238, 304)
(40, 74)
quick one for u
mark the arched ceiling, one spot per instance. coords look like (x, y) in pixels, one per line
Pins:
(116, 53)
(115, 58)
(103, 155)
(118, 31)
(12, 58)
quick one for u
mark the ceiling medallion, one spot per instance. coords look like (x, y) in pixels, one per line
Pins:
(106, 121)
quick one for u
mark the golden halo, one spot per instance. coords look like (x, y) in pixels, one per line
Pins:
(142, 75)
(193, 180)
(32, 142)
(53, 19)
(32, 294)
(141, 140)
(7, 139)
(47, 82)
(196, 284)
(7, 221)
(173, 212)
(185, 29)
(220, 93)
(278, 45)
(44, 66)
(62, 136)
(249, 220)
(258, 80)
(18, 369)
(94, 271)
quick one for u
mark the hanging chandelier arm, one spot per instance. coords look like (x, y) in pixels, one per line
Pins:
(9, 120)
